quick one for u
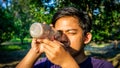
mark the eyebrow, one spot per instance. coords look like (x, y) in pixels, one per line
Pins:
(70, 30)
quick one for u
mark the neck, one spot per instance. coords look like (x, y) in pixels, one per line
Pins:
(81, 57)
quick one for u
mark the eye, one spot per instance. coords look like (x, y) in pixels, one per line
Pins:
(72, 32)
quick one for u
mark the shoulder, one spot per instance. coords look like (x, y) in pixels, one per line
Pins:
(101, 63)
(41, 60)
(44, 63)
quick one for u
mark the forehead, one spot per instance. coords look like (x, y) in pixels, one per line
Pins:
(67, 22)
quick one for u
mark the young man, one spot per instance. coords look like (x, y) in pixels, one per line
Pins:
(76, 25)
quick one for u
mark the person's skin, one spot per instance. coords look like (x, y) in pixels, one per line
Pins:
(54, 50)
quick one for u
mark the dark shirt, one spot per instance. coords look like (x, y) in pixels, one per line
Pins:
(88, 63)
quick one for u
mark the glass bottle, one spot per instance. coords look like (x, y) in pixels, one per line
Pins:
(39, 30)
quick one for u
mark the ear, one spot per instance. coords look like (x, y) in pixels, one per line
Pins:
(88, 38)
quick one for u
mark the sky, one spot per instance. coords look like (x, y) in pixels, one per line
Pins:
(47, 3)
(4, 4)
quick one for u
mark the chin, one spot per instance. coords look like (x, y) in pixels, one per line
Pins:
(73, 52)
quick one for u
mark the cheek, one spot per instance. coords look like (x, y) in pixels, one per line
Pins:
(76, 42)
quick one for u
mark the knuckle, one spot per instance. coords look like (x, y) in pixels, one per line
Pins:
(53, 57)
(56, 52)
(59, 47)
(47, 41)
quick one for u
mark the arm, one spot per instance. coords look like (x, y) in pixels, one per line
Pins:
(28, 60)
(31, 57)
(70, 63)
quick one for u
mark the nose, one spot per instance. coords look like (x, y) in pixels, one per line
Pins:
(60, 36)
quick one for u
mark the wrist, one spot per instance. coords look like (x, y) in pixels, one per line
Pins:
(32, 56)
(29, 59)
(71, 65)
(34, 52)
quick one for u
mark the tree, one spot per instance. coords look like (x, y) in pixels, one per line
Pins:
(105, 15)
(21, 18)
(6, 25)
(26, 13)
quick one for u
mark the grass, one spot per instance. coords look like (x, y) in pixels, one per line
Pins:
(18, 40)
(14, 47)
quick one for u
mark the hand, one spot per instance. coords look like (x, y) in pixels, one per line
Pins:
(56, 53)
(32, 55)
(37, 46)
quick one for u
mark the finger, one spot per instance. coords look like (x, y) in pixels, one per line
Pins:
(58, 43)
(44, 22)
(33, 42)
(41, 47)
(49, 42)
(48, 55)
(48, 50)
(38, 41)
(51, 25)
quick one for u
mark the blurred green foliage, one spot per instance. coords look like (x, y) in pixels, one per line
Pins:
(105, 15)
(13, 47)
(16, 21)
(6, 25)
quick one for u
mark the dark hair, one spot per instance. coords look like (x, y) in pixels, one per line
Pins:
(83, 17)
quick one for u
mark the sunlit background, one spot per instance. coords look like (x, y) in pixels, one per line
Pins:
(16, 16)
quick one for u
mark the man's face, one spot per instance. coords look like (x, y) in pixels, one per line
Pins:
(69, 25)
